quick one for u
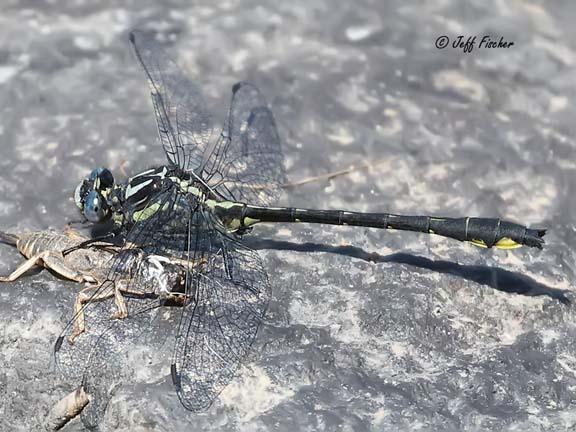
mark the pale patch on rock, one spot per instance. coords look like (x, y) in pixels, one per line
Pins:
(341, 135)
(253, 394)
(455, 81)
(511, 329)
(358, 33)
(343, 322)
(149, 365)
(400, 349)
(86, 43)
(512, 260)
(393, 124)
(540, 18)
(379, 416)
(449, 25)
(355, 97)
(357, 177)
(284, 232)
(43, 326)
(557, 103)
(7, 72)
(412, 111)
(107, 24)
(503, 117)
(394, 52)
(567, 362)
(424, 195)
(549, 335)
(558, 51)
(238, 59)
(399, 171)
(438, 171)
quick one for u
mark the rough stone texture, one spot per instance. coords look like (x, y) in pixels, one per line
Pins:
(367, 330)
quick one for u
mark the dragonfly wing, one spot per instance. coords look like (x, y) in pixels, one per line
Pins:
(184, 123)
(247, 163)
(229, 298)
(99, 356)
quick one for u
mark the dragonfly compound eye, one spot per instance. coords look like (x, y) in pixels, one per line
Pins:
(95, 207)
(102, 178)
(80, 194)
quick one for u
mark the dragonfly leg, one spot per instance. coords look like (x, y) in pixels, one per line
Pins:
(88, 242)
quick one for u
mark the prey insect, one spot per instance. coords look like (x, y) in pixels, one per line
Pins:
(45, 249)
(91, 265)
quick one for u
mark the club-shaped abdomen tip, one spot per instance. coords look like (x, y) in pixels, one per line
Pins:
(534, 237)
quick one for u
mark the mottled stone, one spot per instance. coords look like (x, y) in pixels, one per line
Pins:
(367, 330)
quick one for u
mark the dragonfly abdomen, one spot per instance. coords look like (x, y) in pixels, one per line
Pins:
(484, 232)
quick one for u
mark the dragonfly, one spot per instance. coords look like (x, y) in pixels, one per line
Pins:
(215, 186)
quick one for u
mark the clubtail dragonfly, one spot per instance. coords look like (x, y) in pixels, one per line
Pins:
(213, 189)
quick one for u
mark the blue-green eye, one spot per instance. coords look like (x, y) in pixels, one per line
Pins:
(102, 178)
(95, 207)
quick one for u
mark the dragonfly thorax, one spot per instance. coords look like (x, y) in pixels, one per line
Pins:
(142, 187)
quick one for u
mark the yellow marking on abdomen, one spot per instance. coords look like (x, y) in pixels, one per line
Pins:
(479, 243)
(507, 243)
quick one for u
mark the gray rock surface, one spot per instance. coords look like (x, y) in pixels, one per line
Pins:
(368, 330)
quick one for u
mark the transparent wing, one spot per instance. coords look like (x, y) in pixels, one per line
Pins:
(226, 291)
(218, 327)
(247, 163)
(98, 357)
(184, 124)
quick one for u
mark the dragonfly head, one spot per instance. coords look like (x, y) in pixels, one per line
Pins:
(91, 195)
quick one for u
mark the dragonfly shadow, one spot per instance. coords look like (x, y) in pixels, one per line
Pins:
(494, 277)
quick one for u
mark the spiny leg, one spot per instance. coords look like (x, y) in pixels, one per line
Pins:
(36, 260)
(85, 243)
(119, 291)
(50, 260)
(121, 308)
(84, 297)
